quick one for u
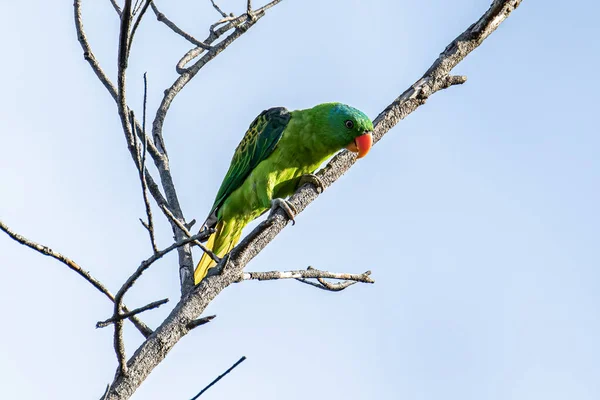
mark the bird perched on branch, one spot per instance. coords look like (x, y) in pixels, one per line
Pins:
(279, 153)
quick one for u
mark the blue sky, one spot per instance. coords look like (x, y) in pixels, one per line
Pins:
(478, 213)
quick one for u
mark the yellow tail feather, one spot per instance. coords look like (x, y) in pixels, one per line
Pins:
(206, 262)
(221, 242)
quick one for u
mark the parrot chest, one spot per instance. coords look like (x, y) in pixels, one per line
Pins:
(296, 154)
(275, 177)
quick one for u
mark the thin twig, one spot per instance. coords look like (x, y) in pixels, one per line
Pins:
(87, 51)
(336, 286)
(218, 9)
(137, 22)
(112, 90)
(118, 337)
(136, 7)
(142, 170)
(227, 18)
(241, 24)
(185, 230)
(238, 362)
(144, 265)
(187, 75)
(309, 273)
(120, 317)
(328, 286)
(190, 224)
(200, 321)
(45, 250)
(163, 18)
(159, 155)
(116, 7)
(180, 83)
(311, 283)
(110, 87)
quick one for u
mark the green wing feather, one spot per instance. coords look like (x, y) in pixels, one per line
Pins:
(258, 143)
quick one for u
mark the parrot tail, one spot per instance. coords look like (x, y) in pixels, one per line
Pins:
(220, 243)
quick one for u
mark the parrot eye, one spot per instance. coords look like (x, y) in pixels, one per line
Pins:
(349, 124)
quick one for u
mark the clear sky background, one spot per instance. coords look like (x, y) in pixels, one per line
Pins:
(478, 214)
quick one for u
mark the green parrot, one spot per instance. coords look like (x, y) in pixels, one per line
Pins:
(279, 153)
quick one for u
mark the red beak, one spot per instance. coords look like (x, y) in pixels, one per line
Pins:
(361, 144)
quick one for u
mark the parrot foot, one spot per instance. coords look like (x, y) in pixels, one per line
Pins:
(314, 179)
(288, 207)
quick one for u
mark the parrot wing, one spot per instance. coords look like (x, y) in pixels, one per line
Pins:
(258, 143)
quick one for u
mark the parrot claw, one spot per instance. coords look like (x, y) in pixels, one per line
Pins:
(288, 207)
(314, 179)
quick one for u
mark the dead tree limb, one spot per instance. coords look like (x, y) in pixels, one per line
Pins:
(309, 273)
(47, 251)
(194, 302)
(120, 317)
(142, 169)
(163, 18)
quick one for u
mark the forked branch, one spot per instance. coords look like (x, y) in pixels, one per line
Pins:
(312, 273)
(163, 18)
(47, 251)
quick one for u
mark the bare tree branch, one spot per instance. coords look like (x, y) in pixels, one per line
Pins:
(156, 148)
(241, 25)
(119, 346)
(93, 62)
(118, 337)
(87, 51)
(155, 257)
(328, 286)
(200, 321)
(224, 15)
(335, 287)
(47, 251)
(218, 378)
(137, 21)
(124, 41)
(160, 157)
(116, 7)
(186, 76)
(163, 18)
(332, 286)
(310, 273)
(137, 6)
(142, 170)
(185, 230)
(192, 304)
(120, 317)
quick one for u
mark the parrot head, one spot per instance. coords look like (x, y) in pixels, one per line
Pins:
(353, 127)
